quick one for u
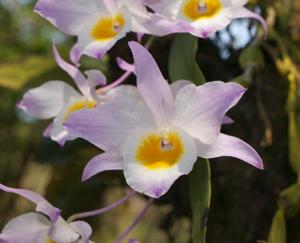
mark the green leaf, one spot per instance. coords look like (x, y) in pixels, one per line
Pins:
(294, 143)
(290, 200)
(182, 60)
(252, 56)
(200, 194)
(278, 229)
(14, 75)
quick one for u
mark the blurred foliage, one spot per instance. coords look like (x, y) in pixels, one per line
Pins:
(247, 205)
(182, 64)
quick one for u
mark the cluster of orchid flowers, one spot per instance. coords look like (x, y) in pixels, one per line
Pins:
(154, 131)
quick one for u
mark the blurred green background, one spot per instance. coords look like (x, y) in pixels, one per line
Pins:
(244, 199)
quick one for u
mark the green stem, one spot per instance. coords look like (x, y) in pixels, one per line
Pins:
(200, 194)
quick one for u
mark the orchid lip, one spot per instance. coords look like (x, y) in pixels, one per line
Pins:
(202, 7)
(90, 104)
(195, 10)
(108, 28)
(157, 151)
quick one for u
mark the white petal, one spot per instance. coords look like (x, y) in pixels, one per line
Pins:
(168, 8)
(47, 100)
(230, 146)
(153, 87)
(90, 46)
(207, 26)
(178, 85)
(239, 2)
(107, 129)
(69, 15)
(59, 133)
(124, 93)
(102, 162)
(155, 182)
(27, 228)
(82, 228)
(62, 232)
(95, 78)
(242, 12)
(201, 110)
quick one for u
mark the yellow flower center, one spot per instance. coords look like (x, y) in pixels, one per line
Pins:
(90, 104)
(200, 9)
(108, 27)
(160, 151)
(50, 241)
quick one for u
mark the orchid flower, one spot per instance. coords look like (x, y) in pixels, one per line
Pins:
(158, 138)
(98, 24)
(57, 99)
(45, 226)
(198, 17)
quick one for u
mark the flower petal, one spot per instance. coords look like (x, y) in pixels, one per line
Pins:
(82, 228)
(161, 26)
(204, 27)
(201, 110)
(239, 2)
(26, 228)
(43, 205)
(69, 15)
(75, 55)
(139, 16)
(242, 12)
(61, 231)
(95, 78)
(227, 120)
(178, 85)
(107, 129)
(97, 47)
(58, 132)
(155, 182)
(152, 85)
(73, 71)
(230, 146)
(100, 163)
(122, 93)
(47, 100)
(47, 130)
(168, 8)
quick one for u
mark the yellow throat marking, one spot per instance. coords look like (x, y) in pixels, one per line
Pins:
(108, 27)
(201, 9)
(160, 152)
(50, 241)
(90, 104)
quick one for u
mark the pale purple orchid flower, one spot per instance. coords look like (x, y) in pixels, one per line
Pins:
(198, 17)
(157, 138)
(98, 24)
(45, 226)
(57, 99)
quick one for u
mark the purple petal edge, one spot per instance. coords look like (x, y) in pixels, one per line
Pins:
(43, 205)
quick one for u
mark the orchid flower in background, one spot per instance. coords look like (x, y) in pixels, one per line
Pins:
(158, 138)
(198, 17)
(57, 99)
(98, 24)
(45, 226)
